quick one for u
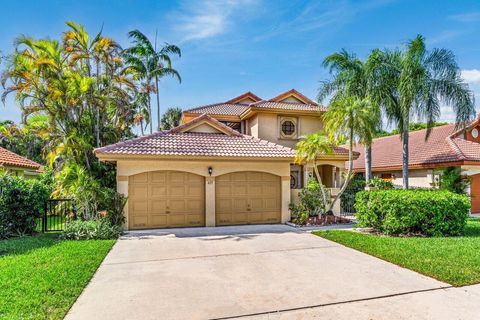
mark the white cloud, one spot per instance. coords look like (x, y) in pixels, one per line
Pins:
(205, 19)
(465, 17)
(472, 76)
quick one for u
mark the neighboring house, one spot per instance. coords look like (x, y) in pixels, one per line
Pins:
(18, 165)
(445, 147)
(228, 163)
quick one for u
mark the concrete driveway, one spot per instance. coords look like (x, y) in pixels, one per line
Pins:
(263, 272)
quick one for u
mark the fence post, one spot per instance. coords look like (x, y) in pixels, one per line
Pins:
(74, 210)
(44, 218)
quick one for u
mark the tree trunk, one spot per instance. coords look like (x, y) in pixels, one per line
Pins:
(322, 189)
(405, 136)
(368, 163)
(158, 103)
(141, 127)
(349, 172)
(150, 113)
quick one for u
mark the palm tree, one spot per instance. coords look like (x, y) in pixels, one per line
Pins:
(308, 149)
(352, 78)
(171, 118)
(417, 82)
(352, 119)
(151, 65)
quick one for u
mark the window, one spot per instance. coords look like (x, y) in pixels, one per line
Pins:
(288, 127)
(295, 177)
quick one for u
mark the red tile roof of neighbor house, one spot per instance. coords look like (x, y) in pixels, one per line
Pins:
(178, 142)
(445, 146)
(10, 159)
(233, 108)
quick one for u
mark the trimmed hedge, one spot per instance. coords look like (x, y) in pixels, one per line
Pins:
(21, 204)
(413, 212)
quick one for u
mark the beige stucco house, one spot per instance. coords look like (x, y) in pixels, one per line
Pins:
(445, 147)
(228, 163)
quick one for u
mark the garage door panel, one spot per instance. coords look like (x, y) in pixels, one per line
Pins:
(166, 199)
(139, 192)
(247, 198)
(194, 191)
(239, 205)
(158, 220)
(140, 221)
(157, 206)
(158, 177)
(158, 191)
(139, 206)
(238, 189)
(140, 178)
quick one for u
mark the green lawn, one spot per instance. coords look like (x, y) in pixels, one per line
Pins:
(455, 260)
(41, 276)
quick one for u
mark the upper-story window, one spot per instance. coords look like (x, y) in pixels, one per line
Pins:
(288, 127)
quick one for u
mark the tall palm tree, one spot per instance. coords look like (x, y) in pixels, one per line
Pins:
(416, 82)
(351, 78)
(171, 118)
(352, 119)
(151, 65)
(308, 149)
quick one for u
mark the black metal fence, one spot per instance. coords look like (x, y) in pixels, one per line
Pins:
(347, 200)
(57, 213)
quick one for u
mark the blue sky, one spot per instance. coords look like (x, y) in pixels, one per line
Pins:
(267, 47)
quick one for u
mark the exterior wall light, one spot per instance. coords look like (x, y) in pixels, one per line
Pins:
(210, 171)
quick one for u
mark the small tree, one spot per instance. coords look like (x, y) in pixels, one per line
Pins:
(308, 149)
(354, 119)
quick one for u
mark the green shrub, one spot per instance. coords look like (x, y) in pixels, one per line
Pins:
(299, 214)
(21, 204)
(311, 198)
(380, 184)
(413, 212)
(451, 179)
(99, 229)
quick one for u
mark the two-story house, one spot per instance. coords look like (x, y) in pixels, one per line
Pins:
(228, 163)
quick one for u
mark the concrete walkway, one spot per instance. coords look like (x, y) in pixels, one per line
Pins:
(259, 272)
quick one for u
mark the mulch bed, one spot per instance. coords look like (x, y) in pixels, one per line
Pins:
(326, 220)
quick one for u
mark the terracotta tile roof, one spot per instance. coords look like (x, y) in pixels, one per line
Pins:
(295, 93)
(176, 142)
(207, 118)
(199, 144)
(221, 109)
(246, 95)
(10, 159)
(288, 106)
(236, 109)
(445, 145)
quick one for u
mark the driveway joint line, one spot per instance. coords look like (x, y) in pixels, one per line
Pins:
(332, 303)
(218, 255)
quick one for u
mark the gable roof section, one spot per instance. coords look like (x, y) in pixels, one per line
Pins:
(293, 93)
(288, 106)
(232, 107)
(10, 159)
(246, 96)
(205, 118)
(444, 147)
(180, 142)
